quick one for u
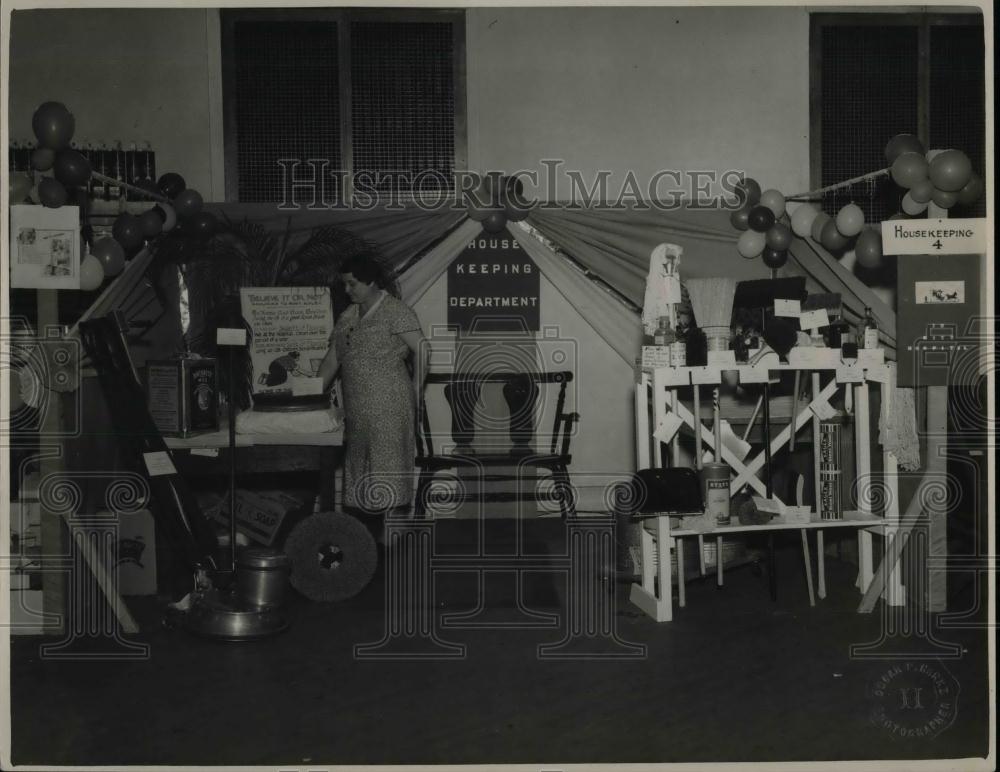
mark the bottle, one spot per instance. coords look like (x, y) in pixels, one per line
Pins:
(664, 335)
(869, 331)
(838, 331)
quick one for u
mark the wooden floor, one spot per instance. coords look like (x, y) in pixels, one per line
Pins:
(735, 677)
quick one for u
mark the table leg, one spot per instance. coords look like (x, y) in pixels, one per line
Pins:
(718, 560)
(820, 565)
(701, 554)
(679, 551)
(809, 574)
(329, 461)
(665, 598)
(772, 568)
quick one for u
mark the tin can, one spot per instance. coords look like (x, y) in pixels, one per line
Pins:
(715, 479)
(829, 500)
(678, 354)
(182, 395)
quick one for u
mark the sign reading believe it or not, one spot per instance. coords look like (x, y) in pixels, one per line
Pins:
(494, 286)
(939, 335)
(934, 237)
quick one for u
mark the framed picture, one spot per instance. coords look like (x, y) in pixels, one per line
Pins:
(45, 247)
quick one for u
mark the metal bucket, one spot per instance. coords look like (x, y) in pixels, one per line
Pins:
(715, 481)
(262, 577)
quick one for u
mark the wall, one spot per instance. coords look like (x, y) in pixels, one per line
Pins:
(130, 75)
(641, 89)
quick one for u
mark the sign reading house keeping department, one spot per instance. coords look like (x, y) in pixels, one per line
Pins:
(493, 286)
(934, 237)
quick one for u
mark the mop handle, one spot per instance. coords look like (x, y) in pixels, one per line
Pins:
(232, 462)
(753, 417)
(717, 415)
(697, 427)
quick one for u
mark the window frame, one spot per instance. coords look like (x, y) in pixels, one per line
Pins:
(922, 21)
(343, 17)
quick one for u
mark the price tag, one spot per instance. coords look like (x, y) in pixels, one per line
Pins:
(792, 308)
(850, 374)
(871, 357)
(813, 320)
(158, 463)
(230, 336)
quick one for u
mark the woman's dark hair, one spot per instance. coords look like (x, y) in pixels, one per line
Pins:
(365, 268)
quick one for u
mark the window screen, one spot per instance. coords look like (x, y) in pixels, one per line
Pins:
(957, 98)
(869, 94)
(287, 103)
(403, 104)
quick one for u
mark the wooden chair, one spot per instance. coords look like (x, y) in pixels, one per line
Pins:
(521, 392)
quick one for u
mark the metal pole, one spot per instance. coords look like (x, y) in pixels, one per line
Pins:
(232, 460)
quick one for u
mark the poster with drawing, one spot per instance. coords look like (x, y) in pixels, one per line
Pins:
(45, 247)
(290, 329)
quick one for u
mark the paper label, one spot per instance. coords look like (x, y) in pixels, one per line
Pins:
(813, 320)
(158, 463)
(306, 387)
(667, 428)
(870, 357)
(792, 308)
(704, 375)
(850, 374)
(878, 374)
(722, 358)
(208, 452)
(935, 236)
(230, 336)
(655, 356)
(871, 338)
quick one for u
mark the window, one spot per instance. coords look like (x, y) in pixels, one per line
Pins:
(376, 96)
(878, 75)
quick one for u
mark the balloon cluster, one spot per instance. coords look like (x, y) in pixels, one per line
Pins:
(53, 125)
(763, 220)
(496, 201)
(946, 177)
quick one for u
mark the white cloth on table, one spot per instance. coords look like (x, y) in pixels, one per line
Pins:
(291, 422)
(663, 285)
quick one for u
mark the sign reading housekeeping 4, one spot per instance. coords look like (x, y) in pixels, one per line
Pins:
(493, 286)
(934, 237)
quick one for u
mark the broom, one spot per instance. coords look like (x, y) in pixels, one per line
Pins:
(712, 304)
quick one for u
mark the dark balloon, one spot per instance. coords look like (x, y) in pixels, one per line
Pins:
(774, 258)
(868, 249)
(945, 199)
(42, 158)
(972, 191)
(739, 219)
(127, 231)
(111, 254)
(902, 143)
(778, 237)
(819, 222)
(53, 125)
(72, 168)
(171, 184)
(151, 223)
(748, 192)
(203, 224)
(760, 218)
(495, 222)
(832, 239)
(187, 203)
(950, 170)
(52, 193)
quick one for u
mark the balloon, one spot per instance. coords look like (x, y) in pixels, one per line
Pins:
(868, 249)
(850, 220)
(53, 125)
(739, 219)
(52, 193)
(91, 273)
(972, 191)
(42, 158)
(778, 237)
(902, 143)
(127, 232)
(111, 255)
(802, 219)
(72, 168)
(760, 218)
(151, 224)
(909, 169)
(168, 215)
(203, 224)
(912, 207)
(899, 216)
(922, 191)
(748, 192)
(187, 203)
(20, 187)
(774, 258)
(818, 224)
(773, 200)
(832, 239)
(750, 244)
(950, 170)
(171, 184)
(945, 199)
(495, 223)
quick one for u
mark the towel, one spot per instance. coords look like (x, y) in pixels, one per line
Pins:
(897, 428)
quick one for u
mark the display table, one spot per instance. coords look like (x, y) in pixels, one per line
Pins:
(658, 398)
(207, 454)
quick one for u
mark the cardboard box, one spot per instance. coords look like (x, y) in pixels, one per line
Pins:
(135, 566)
(259, 514)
